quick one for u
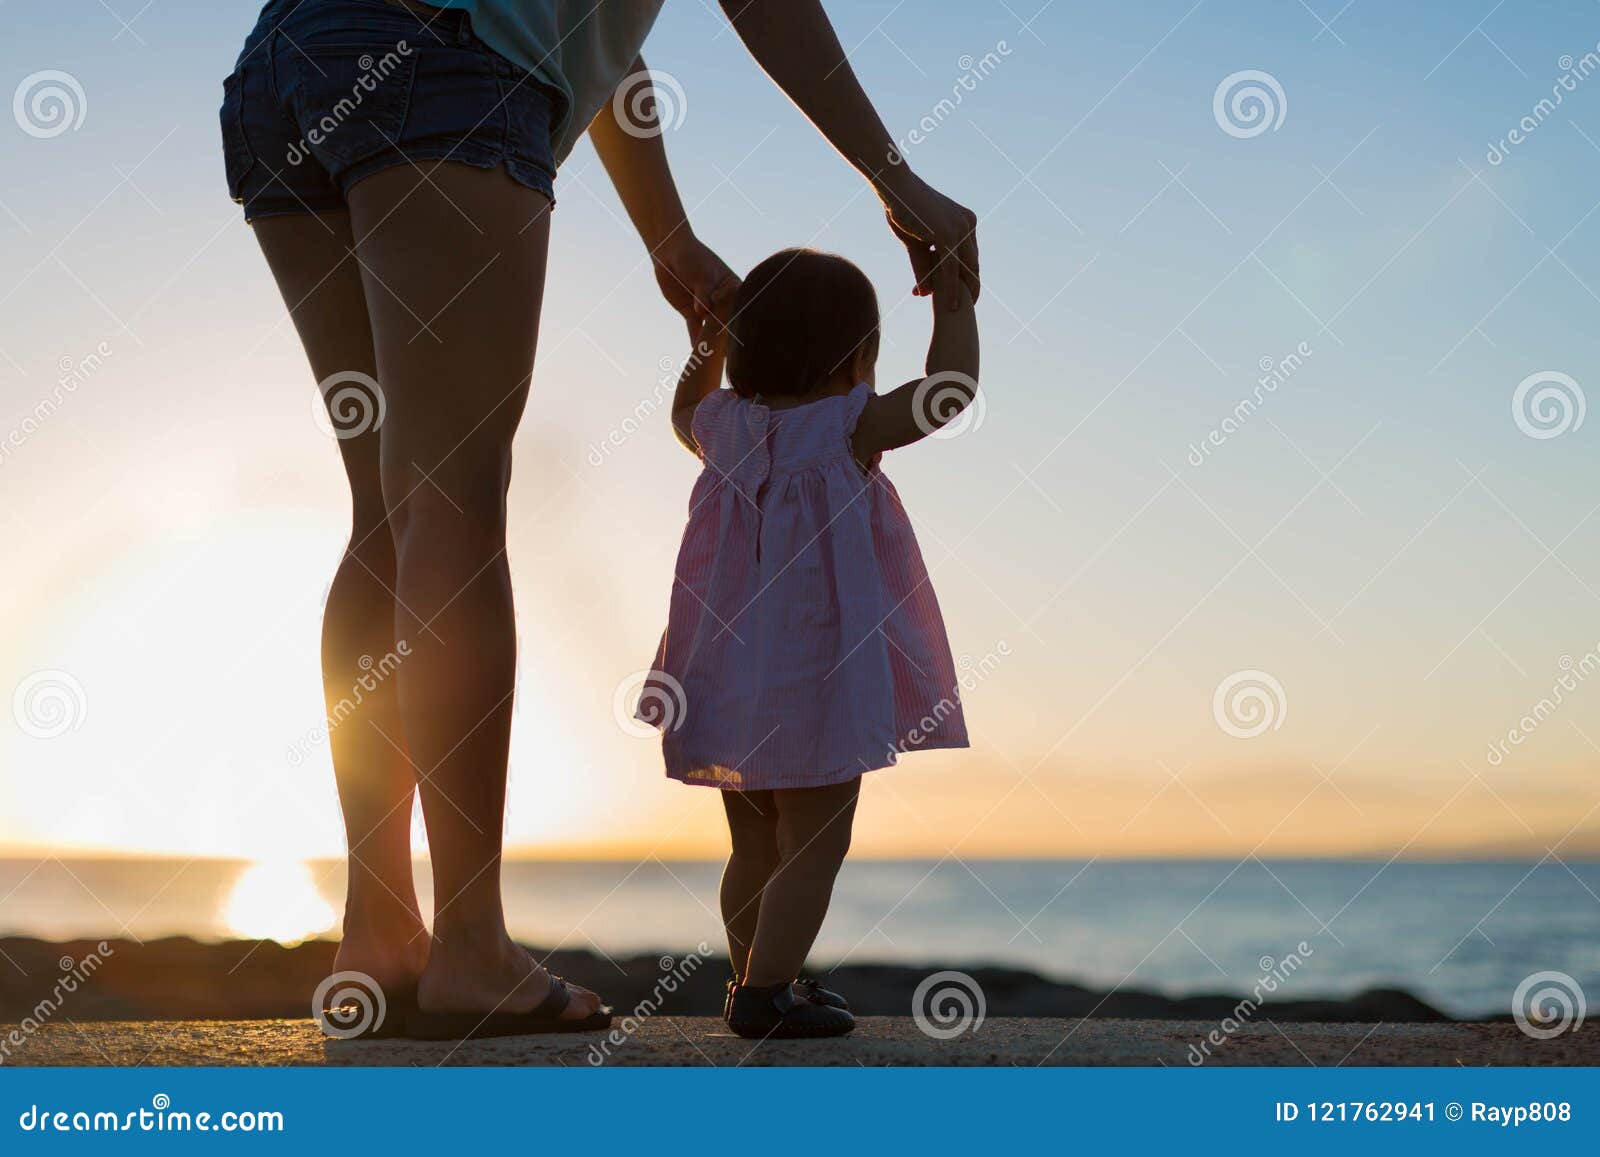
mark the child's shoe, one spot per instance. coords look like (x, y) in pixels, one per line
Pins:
(771, 1011)
(814, 992)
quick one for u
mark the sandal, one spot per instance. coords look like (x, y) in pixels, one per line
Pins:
(546, 1018)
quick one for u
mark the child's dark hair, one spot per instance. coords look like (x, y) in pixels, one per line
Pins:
(798, 317)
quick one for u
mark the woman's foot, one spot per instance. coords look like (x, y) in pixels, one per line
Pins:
(497, 977)
(774, 1012)
(395, 956)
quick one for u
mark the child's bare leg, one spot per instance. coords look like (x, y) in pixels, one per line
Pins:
(813, 836)
(753, 824)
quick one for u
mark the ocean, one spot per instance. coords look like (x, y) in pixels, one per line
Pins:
(1461, 936)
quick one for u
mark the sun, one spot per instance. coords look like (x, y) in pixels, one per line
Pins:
(277, 900)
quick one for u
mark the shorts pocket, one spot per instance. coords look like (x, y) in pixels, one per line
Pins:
(351, 101)
(237, 157)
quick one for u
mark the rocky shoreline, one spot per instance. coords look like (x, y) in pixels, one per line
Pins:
(183, 979)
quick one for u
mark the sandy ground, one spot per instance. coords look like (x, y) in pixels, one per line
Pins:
(667, 1040)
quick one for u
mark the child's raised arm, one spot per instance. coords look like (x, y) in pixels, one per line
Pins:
(911, 412)
(702, 373)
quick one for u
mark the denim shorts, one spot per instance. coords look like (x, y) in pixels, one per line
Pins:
(327, 92)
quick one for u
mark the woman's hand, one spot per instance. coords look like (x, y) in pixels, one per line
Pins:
(940, 235)
(694, 280)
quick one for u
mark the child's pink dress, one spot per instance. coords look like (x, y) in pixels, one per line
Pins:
(804, 644)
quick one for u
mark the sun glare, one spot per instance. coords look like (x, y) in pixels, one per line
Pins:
(277, 900)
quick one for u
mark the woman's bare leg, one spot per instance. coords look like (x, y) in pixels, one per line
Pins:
(753, 825)
(453, 259)
(321, 284)
(813, 837)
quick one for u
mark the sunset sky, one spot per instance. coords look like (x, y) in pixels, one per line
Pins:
(1381, 536)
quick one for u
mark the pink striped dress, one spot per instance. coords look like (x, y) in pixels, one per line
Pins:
(804, 643)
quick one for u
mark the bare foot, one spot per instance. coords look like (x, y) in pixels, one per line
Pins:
(394, 957)
(498, 977)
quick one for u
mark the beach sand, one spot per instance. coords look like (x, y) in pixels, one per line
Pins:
(879, 1040)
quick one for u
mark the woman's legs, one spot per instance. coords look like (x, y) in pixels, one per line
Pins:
(813, 836)
(453, 260)
(310, 259)
(753, 824)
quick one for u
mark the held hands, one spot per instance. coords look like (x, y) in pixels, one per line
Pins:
(696, 282)
(941, 237)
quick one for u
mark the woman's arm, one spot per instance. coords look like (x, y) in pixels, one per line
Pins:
(702, 373)
(689, 273)
(911, 412)
(795, 43)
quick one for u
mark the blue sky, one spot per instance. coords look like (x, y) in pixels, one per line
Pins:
(1380, 536)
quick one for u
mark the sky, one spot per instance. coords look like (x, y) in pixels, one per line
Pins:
(1392, 554)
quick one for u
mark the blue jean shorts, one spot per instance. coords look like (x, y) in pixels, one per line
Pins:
(327, 92)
